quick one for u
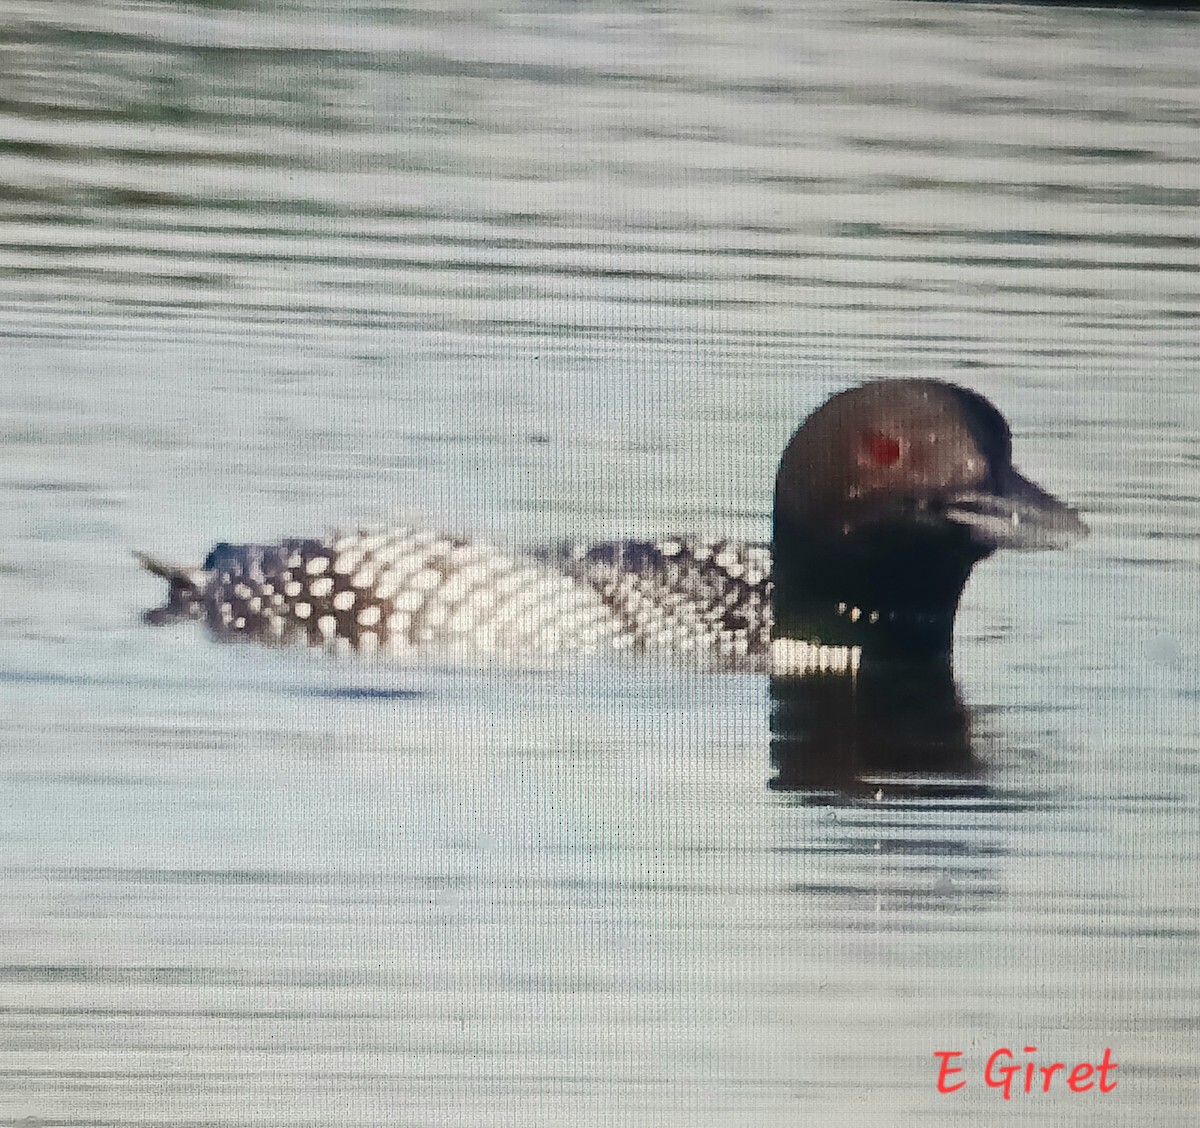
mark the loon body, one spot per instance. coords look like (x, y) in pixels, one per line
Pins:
(885, 499)
(403, 591)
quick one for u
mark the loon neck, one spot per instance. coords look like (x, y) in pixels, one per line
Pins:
(877, 631)
(892, 595)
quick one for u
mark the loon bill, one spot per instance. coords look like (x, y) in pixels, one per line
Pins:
(885, 499)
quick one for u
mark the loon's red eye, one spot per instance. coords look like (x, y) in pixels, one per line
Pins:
(882, 449)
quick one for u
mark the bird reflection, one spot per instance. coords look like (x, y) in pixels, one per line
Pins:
(893, 729)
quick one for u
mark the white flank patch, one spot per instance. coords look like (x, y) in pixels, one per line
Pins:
(368, 643)
(426, 579)
(365, 577)
(505, 585)
(460, 621)
(389, 584)
(455, 588)
(347, 562)
(409, 600)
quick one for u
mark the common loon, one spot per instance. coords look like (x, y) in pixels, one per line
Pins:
(886, 498)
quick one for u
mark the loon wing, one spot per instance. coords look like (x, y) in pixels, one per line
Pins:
(680, 593)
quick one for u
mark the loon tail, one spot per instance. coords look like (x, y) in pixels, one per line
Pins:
(184, 593)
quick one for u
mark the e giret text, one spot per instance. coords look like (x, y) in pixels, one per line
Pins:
(1004, 1072)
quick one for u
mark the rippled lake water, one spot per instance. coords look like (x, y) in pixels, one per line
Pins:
(566, 271)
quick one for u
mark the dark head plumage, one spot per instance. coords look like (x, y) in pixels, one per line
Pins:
(886, 498)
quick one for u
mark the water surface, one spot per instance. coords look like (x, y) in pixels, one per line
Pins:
(575, 271)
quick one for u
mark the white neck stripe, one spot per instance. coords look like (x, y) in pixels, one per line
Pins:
(795, 657)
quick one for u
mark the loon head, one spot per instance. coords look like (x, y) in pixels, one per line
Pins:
(886, 498)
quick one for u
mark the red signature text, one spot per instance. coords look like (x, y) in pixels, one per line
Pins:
(1004, 1072)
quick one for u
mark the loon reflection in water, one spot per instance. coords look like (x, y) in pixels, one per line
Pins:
(893, 731)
